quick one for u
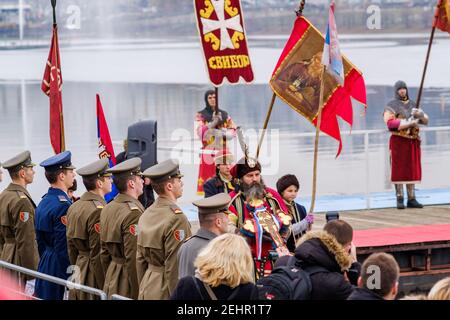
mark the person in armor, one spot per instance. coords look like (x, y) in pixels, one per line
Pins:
(83, 228)
(260, 214)
(214, 128)
(403, 118)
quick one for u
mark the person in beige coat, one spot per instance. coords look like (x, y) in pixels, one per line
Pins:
(118, 230)
(83, 229)
(162, 229)
(17, 216)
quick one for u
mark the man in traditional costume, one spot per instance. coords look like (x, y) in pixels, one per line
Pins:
(214, 127)
(403, 118)
(259, 213)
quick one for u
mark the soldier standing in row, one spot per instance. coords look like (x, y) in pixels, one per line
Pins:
(17, 215)
(213, 219)
(83, 228)
(162, 229)
(118, 230)
(51, 221)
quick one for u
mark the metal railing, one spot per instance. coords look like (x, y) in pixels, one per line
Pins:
(65, 283)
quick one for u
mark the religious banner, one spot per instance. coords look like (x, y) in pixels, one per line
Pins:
(297, 78)
(222, 34)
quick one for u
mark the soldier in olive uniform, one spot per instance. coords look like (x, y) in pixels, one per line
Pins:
(118, 230)
(17, 215)
(213, 218)
(162, 229)
(83, 228)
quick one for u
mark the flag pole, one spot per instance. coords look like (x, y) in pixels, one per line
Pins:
(299, 13)
(266, 123)
(419, 95)
(61, 117)
(316, 142)
(54, 11)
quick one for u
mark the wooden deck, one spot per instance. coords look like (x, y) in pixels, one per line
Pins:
(390, 218)
(383, 218)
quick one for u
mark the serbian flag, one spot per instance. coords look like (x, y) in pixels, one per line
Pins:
(442, 16)
(51, 85)
(331, 58)
(224, 42)
(296, 80)
(105, 146)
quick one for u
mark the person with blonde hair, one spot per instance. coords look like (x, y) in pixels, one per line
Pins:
(441, 290)
(224, 271)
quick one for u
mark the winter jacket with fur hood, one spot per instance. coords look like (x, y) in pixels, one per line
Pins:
(319, 248)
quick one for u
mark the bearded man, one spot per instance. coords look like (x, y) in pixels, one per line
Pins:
(259, 213)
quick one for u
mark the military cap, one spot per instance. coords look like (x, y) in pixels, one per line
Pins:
(129, 167)
(163, 171)
(223, 157)
(214, 204)
(59, 161)
(97, 168)
(20, 161)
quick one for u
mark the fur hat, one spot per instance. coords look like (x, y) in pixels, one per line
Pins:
(244, 166)
(286, 181)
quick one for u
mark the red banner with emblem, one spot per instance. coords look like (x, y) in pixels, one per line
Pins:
(51, 85)
(442, 16)
(297, 78)
(222, 34)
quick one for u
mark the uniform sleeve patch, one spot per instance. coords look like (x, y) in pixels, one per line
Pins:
(62, 199)
(64, 220)
(98, 204)
(24, 216)
(176, 210)
(97, 228)
(133, 206)
(21, 195)
(134, 229)
(179, 235)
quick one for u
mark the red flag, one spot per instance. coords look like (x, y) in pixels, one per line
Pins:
(51, 85)
(105, 146)
(296, 80)
(224, 42)
(442, 16)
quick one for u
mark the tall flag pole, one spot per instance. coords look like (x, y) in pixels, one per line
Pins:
(441, 21)
(105, 146)
(51, 86)
(332, 63)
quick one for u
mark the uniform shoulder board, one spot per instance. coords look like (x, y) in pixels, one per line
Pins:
(176, 209)
(132, 206)
(62, 199)
(21, 195)
(98, 204)
(188, 238)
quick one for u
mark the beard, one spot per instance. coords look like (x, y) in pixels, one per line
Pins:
(255, 190)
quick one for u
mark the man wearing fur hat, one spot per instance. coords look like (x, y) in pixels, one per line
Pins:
(403, 118)
(259, 213)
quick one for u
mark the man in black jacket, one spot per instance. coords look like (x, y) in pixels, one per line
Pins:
(379, 278)
(331, 250)
(223, 181)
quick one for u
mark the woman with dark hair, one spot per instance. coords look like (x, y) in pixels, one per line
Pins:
(214, 127)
